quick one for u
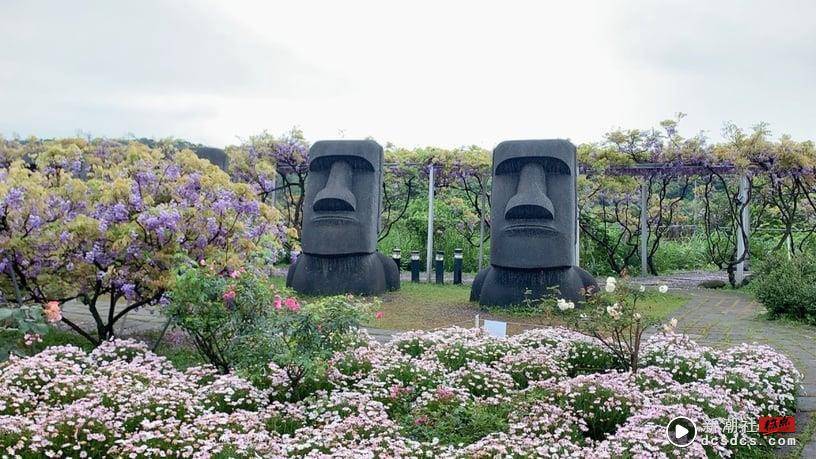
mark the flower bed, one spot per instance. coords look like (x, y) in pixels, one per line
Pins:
(450, 393)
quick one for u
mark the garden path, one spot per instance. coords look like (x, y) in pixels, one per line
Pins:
(722, 318)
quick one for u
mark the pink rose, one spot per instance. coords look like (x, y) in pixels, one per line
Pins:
(292, 304)
(278, 303)
(235, 274)
(229, 295)
(378, 315)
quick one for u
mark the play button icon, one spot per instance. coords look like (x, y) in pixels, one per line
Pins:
(681, 431)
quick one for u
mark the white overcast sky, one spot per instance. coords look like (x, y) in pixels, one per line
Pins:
(414, 73)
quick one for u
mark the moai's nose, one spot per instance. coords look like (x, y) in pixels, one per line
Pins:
(337, 195)
(530, 200)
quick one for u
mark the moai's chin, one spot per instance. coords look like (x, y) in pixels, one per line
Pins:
(359, 274)
(504, 287)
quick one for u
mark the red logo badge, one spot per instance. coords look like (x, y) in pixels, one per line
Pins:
(777, 424)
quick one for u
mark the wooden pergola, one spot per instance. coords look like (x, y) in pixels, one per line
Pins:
(651, 169)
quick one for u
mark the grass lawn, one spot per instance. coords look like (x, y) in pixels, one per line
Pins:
(429, 306)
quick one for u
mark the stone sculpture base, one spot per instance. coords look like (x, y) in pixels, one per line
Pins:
(359, 274)
(497, 286)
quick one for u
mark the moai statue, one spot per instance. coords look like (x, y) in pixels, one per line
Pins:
(533, 225)
(216, 156)
(341, 215)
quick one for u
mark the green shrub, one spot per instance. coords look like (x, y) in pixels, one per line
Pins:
(787, 287)
(238, 322)
(216, 309)
(288, 349)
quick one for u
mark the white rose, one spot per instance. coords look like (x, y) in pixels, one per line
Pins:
(563, 304)
(637, 316)
(663, 288)
(642, 288)
(610, 287)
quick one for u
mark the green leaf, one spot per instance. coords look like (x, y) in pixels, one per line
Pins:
(6, 313)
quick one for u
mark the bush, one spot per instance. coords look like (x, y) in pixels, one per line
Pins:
(239, 321)
(289, 348)
(217, 309)
(787, 287)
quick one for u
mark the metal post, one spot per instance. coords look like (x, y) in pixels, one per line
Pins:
(481, 234)
(745, 219)
(457, 266)
(415, 266)
(577, 261)
(644, 228)
(396, 255)
(440, 267)
(429, 241)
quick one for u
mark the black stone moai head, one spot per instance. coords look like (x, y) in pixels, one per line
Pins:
(341, 211)
(533, 204)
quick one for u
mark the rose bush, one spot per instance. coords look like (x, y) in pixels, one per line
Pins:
(397, 399)
(216, 308)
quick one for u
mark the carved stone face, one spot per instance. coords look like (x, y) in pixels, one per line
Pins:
(341, 209)
(533, 204)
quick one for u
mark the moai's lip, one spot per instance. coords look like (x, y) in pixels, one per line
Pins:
(334, 218)
(531, 227)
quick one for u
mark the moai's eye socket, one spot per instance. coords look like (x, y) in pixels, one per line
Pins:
(549, 165)
(324, 163)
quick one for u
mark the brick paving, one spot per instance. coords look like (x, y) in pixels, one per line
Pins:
(726, 318)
